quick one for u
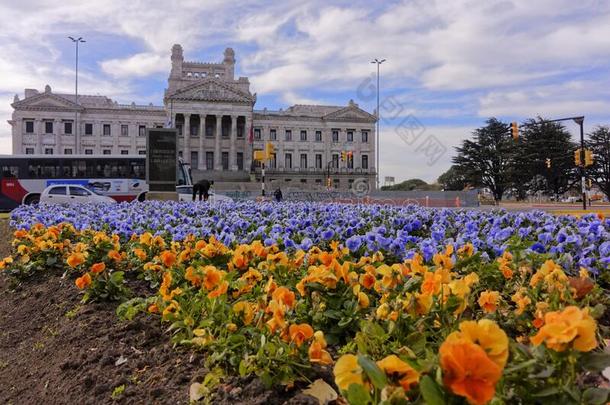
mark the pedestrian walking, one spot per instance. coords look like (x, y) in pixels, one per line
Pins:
(278, 195)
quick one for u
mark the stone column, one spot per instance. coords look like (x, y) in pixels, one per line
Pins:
(38, 131)
(58, 130)
(232, 141)
(186, 139)
(217, 156)
(18, 130)
(201, 137)
(247, 145)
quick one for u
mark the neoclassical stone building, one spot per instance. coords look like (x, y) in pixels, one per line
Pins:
(218, 128)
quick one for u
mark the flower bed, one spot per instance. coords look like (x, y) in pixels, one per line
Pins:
(442, 320)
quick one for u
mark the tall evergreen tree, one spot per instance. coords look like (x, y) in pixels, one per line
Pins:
(599, 142)
(548, 151)
(485, 160)
(452, 179)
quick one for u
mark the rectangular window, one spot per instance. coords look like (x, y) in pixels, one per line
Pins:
(107, 151)
(365, 136)
(68, 128)
(209, 129)
(179, 153)
(106, 130)
(225, 160)
(124, 130)
(336, 183)
(141, 130)
(257, 134)
(88, 129)
(335, 160)
(335, 135)
(303, 136)
(350, 161)
(209, 160)
(194, 159)
(29, 127)
(318, 161)
(289, 135)
(365, 161)
(124, 152)
(240, 161)
(68, 151)
(288, 161)
(194, 130)
(48, 127)
(224, 129)
(273, 135)
(350, 136)
(273, 161)
(303, 181)
(179, 128)
(303, 161)
(318, 136)
(88, 151)
(142, 152)
(240, 130)
(29, 151)
(48, 151)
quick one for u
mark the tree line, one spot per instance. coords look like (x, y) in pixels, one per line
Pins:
(541, 160)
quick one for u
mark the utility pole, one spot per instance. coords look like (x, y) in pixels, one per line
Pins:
(378, 62)
(580, 121)
(76, 131)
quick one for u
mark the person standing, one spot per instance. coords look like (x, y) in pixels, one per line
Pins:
(278, 195)
(202, 188)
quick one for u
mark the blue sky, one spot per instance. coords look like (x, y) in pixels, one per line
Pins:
(450, 64)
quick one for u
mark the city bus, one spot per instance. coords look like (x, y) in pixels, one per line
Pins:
(24, 177)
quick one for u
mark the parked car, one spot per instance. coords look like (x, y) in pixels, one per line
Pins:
(72, 193)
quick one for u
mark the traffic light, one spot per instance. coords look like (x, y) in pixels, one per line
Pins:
(269, 150)
(588, 157)
(343, 155)
(328, 182)
(577, 161)
(514, 129)
(548, 162)
(350, 156)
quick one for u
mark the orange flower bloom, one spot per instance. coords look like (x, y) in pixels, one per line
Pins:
(246, 309)
(316, 351)
(367, 280)
(300, 333)
(168, 258)
(489, 301)
(76, 259)
(431, 284)
(20, 234)
(347, 371)
(572, 325)
(114, 255)
(394, 367)
(220, 290)
(98, 268)
(83, 281)
(140, 253)
(153, 309)
(468, 371)
(487, 334)
(284, 296)
(212, 277)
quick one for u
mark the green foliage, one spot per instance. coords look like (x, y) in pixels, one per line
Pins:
(108, 286)
(410, 185)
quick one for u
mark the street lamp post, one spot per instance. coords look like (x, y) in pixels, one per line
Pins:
(378, 62)
(76, 131)
(580, 121)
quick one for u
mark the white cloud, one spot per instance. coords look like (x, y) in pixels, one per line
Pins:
(138, 65)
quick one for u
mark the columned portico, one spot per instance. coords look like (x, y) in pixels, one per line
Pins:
(202, 126)
(217, 136)
(186, 139)
(233, 141)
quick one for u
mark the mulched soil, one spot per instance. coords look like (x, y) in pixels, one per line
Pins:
(55, 350)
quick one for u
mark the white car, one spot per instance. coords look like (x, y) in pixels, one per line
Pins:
(72, 193)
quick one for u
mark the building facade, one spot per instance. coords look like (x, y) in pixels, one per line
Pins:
(218, 128)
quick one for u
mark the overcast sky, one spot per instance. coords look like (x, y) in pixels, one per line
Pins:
(450, 64)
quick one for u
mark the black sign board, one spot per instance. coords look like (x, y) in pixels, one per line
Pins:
(161, 158)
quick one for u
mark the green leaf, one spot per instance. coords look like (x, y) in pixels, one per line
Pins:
(595, 362)
(432, 393)
(595, 396)
(374, 373)
(357, 395)
(546, 392)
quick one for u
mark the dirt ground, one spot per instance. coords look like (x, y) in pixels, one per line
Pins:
(54, 350)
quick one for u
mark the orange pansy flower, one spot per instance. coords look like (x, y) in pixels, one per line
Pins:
(394, 367)
(569, 326)
(168, 258)
(300, 333)
(468, 371)
(98, 268)
(488, 301)
(83, 281)
(284, 296)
